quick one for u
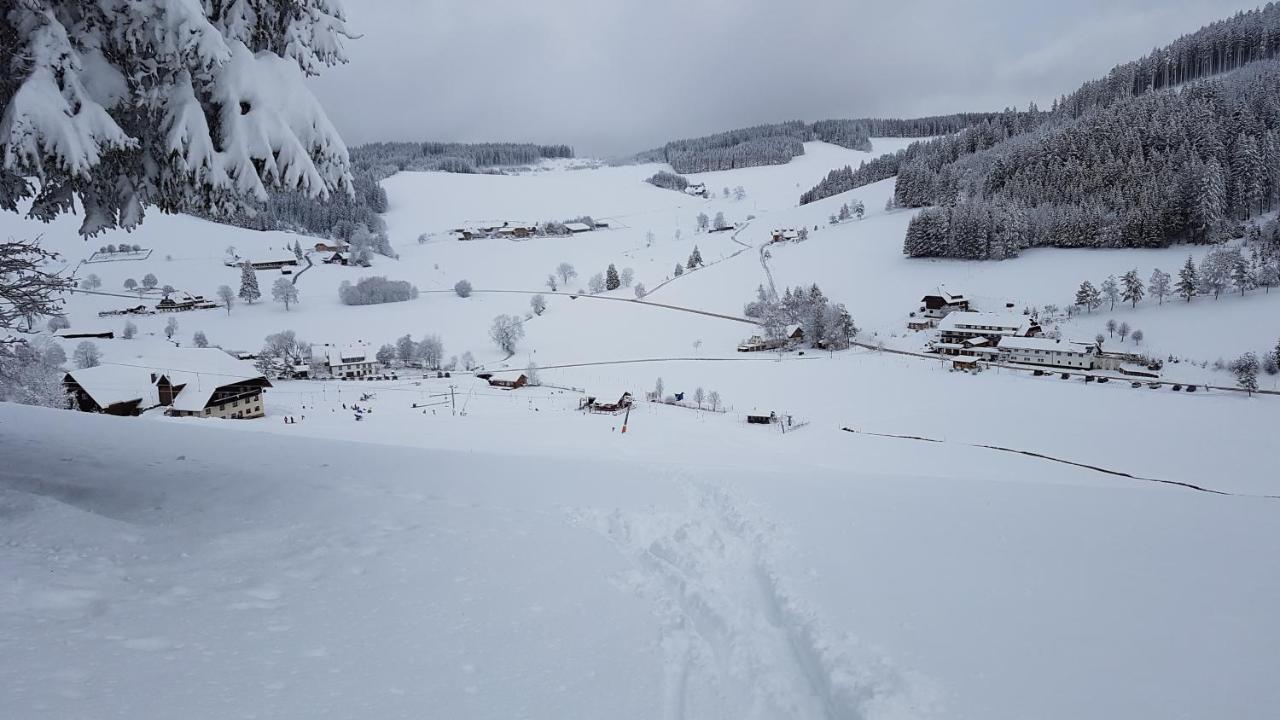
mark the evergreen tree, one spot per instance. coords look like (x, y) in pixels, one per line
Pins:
(249, 291)
(1133, 287)
(161, 133)
(1088, 296)
(1188, 281)
(1246, 368)
(611, 279)
(1241, 273)
(679, 270)
(695, 259)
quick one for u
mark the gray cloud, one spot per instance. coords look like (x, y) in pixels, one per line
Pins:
(615, 77)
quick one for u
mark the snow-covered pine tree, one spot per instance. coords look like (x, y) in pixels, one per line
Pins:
(695, 259)
(1242, 277)
(1188, 280)
(206, 106)
(1088, 296)
(1133, 290)
(1245, 369)
(611, 279)
(248, 284)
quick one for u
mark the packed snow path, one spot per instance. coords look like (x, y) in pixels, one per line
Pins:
(736, 642)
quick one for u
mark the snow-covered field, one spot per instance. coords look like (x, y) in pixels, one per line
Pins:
(503, 555)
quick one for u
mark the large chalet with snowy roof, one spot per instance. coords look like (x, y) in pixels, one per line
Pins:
(190, 382)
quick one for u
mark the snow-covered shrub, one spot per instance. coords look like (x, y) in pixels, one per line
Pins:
(462, 288)
(375, 291)
(668, 180)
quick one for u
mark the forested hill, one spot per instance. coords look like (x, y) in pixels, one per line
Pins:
(778, 143)
(1112, 163)
(1145, 171)
(357, 218)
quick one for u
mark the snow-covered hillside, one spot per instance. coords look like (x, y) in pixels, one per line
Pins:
(213, 572)
(922, 543)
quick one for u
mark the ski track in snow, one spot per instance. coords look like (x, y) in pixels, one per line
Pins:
(736, 642)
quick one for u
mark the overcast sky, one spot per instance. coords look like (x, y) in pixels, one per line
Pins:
(618, 76)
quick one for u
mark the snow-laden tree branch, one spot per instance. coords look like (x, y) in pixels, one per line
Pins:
(180, 104)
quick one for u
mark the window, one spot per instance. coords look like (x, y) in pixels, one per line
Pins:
(208, 411)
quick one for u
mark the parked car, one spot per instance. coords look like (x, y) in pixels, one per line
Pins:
(1038, 373)
(1177, 388)
(1066, 376)
(1153, 385)
(1135, 384)
(1104, 379)
(1191, 388)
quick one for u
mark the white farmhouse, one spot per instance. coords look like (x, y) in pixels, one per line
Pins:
(350, 361)
(1049, 352)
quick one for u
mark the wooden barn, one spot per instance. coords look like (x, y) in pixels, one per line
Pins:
(508, 383)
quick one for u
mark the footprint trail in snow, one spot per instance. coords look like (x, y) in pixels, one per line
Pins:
(736, 642)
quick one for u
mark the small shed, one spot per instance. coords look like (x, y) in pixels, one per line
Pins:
(758, 419)
(964, 362)
(577, 227)
(919, 323)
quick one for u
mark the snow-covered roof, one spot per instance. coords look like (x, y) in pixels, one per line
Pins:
(275, 258)
(1042, 343)
(970, 320)
(339, 355)
(112, 384)
(201, 370)
(577, 227)
(947, 297)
